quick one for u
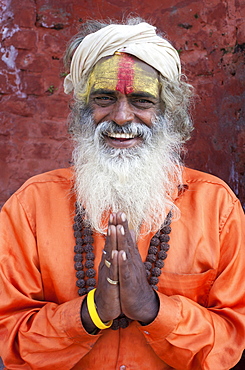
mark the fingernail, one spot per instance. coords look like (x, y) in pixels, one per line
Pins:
(113, 254)
(122, 230)
(109, 231)
(123, 217)
(111, 218)
(124, 256)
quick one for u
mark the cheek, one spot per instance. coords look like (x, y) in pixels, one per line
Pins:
(96, 115)
(145, 117)
(99, 114)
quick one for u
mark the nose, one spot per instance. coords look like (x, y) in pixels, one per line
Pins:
(122, 112)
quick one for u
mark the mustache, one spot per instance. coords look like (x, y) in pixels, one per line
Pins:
(135, 129)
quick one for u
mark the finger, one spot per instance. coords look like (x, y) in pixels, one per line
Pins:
(111, 243)
(124, 269)
(122, 220)
(125, 242)
(122, 242)
(113, 270)
(107, 294)
(112, 219)
(133, 237)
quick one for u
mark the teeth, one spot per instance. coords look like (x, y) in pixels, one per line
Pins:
(120, 136)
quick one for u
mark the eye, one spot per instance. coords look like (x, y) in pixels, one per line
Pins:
(103, 100)
(143, 103)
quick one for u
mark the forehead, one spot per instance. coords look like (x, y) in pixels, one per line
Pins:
(124, 73)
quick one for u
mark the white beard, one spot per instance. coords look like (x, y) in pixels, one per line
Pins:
(139, 181)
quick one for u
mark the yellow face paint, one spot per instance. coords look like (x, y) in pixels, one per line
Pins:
(124, 73)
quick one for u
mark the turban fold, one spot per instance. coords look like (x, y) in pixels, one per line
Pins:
(138, 40)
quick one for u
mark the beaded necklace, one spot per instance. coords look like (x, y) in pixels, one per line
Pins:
(84, 259)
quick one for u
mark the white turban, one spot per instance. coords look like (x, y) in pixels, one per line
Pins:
(139, 40)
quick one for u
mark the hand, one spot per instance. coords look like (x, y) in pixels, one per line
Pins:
(138, 300)
(133, 295)
(107, 296)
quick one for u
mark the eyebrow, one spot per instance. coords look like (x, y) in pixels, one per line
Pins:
(103, 91)
(137, 94)
(143, 94)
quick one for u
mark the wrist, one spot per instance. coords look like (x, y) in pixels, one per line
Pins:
(86, 320)
(92, 311)
(151, 310)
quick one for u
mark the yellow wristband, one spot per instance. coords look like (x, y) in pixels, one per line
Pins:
(93, 312)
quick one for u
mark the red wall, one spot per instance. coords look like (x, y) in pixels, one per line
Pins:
(209, 35)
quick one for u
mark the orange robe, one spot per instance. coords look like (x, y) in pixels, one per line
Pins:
(201, 320)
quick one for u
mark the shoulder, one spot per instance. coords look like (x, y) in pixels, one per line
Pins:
(205, 182)
(41, 200)
(63, 175)
(48, 180)
(207, 196)
(44, 189)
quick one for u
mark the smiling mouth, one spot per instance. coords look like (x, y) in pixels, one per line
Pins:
(121, 136)
(122, 140)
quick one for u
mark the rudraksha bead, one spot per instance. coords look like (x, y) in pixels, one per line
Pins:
(79, 241)
(115, 325)
(166, 229)
(82, 291)
(90, 273)
(87, 231)
(78, 257)
(89, 264)
(159, 264)
(151, 258)
(88, 248)
(76, 226)
(156, 271)
(78, 249)
(164, 246)
(88, 239)
(77, 218)
(80, 283)
(91, 282)
(148, 273)
(154, 241)
(78, 266)
(123, 322)
(162, 255)
(77, 234)
(152, 249)
(148, 265)
(80, 274)
(164, 238)
(154, 280)
(90, 256)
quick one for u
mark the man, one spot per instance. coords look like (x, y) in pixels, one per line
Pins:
(156, 281)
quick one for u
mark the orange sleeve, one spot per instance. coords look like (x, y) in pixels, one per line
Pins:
(34, 334)
(209, 337)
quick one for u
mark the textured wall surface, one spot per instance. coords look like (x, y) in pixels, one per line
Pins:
(209, 36)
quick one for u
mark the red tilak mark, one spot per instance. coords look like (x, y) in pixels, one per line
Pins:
(125, 74)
